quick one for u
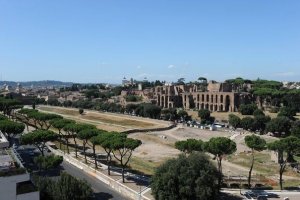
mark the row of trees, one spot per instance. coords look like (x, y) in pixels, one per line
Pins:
(173, 114)
(271, 92)
(251, 109)
(221, 146)
(143, 109)
(66, 186)
(115, 144)
(217, 146)
(7, 105)
(10, 128)
(38, 120)
(283, 124)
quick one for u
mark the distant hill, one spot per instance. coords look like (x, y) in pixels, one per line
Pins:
(46, 83)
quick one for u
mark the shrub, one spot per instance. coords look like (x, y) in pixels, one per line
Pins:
(192, 177)
(247, 109)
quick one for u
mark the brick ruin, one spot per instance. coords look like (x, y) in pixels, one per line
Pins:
(221, 97)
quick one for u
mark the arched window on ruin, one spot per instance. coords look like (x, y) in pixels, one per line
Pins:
(158, 100)
(202, 105)
(227, 103)
(212, 98)
(207, 98)
(221, 100)
(206, 106)
(198, 97)
(221, 107)
(202, 97)
(216, 99)
(211, 107)
(166, 102)
(216, 108)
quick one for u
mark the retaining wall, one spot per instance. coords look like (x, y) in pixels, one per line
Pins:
(149, 129)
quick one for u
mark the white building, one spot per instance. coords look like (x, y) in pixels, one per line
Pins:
(15, 182)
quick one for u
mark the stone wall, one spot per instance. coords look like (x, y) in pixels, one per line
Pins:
(213, 101)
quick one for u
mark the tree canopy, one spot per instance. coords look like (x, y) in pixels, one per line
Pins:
(287, 112)
(38, 138)
(285, 147)
(123, 148)
(258, 112)
(66, 187)
(11, 128)
(48, 162)
(247, 123)
(204, 114)
(295, 130)
(247, 109)
(219, 147)
(2, 117)
(234, 120)
(189, 145)
(85, 135)
(72, 130)
(186, 177)
(279, 125)
(106, 141)
(259, 123)
(256, 143)
(7, 105)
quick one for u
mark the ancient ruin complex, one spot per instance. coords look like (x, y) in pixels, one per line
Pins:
(213, 96)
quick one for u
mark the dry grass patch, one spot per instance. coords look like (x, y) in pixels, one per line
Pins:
(263, 164)
(63, 111)
(106, 119)
(118, 121)
(147, 167)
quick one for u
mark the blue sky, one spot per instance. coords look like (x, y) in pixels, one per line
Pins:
(105, 40)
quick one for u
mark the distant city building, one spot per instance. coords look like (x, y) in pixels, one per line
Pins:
(7, 88)
(291, 85)
(19, 88)
(132, 82)
(140, 86)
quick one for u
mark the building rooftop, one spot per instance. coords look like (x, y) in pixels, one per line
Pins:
(6, 161)
(3, 141)
(9, 162)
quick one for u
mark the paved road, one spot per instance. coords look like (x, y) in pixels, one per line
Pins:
(101, 190)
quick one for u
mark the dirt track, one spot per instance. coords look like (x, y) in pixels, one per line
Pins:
(106, 121)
